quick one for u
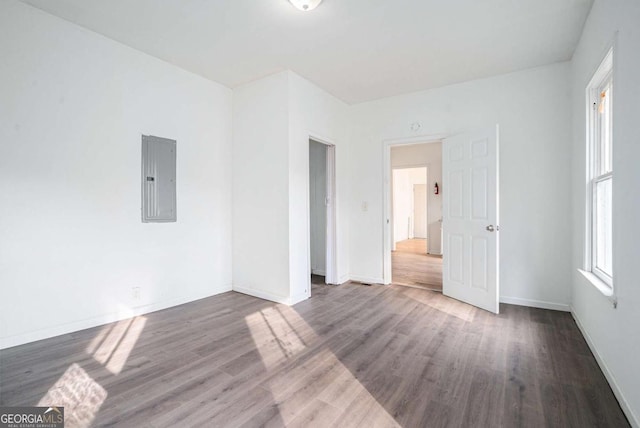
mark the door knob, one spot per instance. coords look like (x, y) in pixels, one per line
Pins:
(490, 228)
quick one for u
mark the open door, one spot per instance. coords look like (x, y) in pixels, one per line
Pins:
(470, 218)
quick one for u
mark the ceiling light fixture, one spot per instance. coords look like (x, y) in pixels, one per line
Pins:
(305, 5)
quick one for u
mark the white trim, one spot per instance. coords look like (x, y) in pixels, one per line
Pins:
(418, 139)
(331, 239)
(320, 272)
(606, 71)
(264, 295)
(624, 404)
(320, 139)
(297, 299)
(74, 326)
(600, 285)
(343, 279)
(535, 303)
(366, 279)
(416, 165)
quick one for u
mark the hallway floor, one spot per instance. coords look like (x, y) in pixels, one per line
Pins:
(412, 265)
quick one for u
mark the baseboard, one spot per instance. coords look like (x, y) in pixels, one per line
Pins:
(71, 327)
(320, 272)
(297, 299)
(366, 279)
(265, 295)
(535, 303)
(343, 279)
(624, 404)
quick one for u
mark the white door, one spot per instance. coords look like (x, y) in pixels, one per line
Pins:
(470, 218)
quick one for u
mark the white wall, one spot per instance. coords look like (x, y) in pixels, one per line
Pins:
(314, 112)
(73, 106)
(612, 333)
(261, 188)
(317, 206)
(273, 120)
(532, 108)
(425, 154)
(404, 219)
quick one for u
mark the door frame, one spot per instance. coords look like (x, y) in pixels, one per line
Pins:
(386, 192)
(331, 259)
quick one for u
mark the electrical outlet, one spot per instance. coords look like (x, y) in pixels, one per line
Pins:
(135, 293)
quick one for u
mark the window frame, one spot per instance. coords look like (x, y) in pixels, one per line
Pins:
(602, 275)
(602, 78)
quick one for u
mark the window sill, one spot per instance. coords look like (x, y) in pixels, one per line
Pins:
(600, 285)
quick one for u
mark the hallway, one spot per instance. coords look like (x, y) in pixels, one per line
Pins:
(412, 265)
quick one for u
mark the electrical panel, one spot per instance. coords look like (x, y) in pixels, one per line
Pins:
(158, 180)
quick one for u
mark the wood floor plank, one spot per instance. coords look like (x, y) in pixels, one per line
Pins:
(412, 266)
(353, 355)
(317, 414)
(486, 392)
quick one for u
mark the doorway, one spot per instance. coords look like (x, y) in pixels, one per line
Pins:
(416, 213)
(410, 206)
(469, 217)
(322, 215)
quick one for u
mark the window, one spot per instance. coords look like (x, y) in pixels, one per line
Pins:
(599, 249)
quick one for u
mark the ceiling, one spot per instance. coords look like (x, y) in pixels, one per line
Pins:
(357, 50)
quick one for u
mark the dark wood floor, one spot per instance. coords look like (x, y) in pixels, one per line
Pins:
(412, 266)
(351, 355)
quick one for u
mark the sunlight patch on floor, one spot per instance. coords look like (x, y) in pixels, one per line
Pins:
(278, 329)
(79, 394)
(112, 346)
(449, 306)
(322, 373)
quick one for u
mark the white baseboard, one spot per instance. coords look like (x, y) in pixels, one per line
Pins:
(71, 327)
(297, 299)
(366, 279)
(535, 303)
(343, 279)
(320, 272)
(624, 404)
(265, 295)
